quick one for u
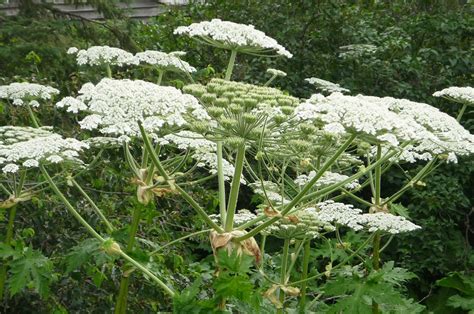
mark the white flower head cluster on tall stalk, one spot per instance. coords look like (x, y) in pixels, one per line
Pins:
(464, 95)
(326, 86)
(233, 36)
(114, 107)
(27, 93)
(427, 131)
(348, 216)
(26, 147)
(100, 55)
(164, 61)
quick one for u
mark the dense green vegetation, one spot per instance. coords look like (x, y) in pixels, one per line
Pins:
(56, 268)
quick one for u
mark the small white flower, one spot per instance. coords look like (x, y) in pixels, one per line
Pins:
(326, 86)
(459, 94)
(10, 168)
(276, 72)
(164, 61)
(72, 50)
(28, 147)
(98, 55)
(116, 106)
(27, 92)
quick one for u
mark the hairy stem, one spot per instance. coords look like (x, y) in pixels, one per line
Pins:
(303, 192)
(96, 209)
(304, 274)
(121, 304)
(96, 235)
(7, 242)
(234, 189)
(284, 263)
(220, 178)
(164, 174)
(33, 118)
(230, 65)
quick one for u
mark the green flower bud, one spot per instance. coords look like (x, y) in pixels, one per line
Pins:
(208, 97)
(300, 145)
(194, 89)
(228, 123)
(236, 108)
(221, 102)
(234, 141)
(249, 118)
(215, 112)
(287, 110)
(308, 128)
(201, 126)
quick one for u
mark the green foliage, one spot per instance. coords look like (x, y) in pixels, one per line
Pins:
(457, 291)
(29, 269)
(85, 251)
(359, 291)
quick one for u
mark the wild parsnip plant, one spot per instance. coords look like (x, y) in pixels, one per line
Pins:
(311, 164)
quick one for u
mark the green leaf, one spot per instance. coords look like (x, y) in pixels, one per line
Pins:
(234, 262)
(31, 268)
(237, 286)
(81, 253)
(7, 251)
(465, 303)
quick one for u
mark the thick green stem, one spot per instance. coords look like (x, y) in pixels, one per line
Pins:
(121, 304)
(461, 112)
(303, 192)
(7, 242)
(284, 263)
(270, 80)
(164, 174)
(32, 116)
(230, 65)
(220, 178)
(234, 189)
(376, 242)
(108, 70)
(160, 77)
(94, 233)
(96, 209)
(304, 274)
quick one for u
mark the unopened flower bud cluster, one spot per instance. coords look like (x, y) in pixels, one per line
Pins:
(242, 109)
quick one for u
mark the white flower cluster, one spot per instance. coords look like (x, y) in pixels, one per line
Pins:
(164, 61)
(241, 217)
(338, 213)
(387, 222)
(230, 35)
(347, 215)
(354, 114)
(391, 121)
(98, 55)
(300, 225)
(20, 93)
(458, 94)
(276, 72)
(28, 147)
(327, 179)
(269, 190)
(357, 51)
(437, 132)
(326, 86)
(204, 151)
(115, 107)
